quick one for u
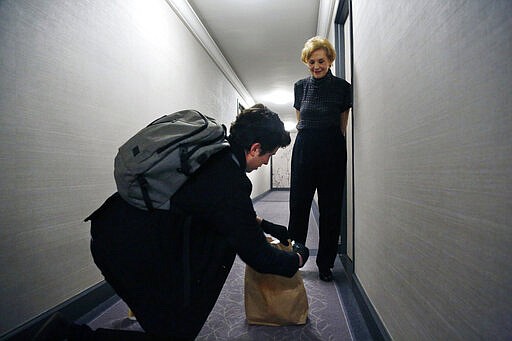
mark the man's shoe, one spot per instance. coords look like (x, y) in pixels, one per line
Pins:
(54, 329)
(325, 275)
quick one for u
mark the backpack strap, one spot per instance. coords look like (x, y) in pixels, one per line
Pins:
(187, 278)
(143, 183)
(235, 159)
(184, 219)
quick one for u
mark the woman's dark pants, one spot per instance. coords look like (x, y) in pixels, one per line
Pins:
(318, 163)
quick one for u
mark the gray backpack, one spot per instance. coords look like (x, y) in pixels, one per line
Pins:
(151, 166)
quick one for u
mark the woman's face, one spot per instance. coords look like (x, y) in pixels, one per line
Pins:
(318, 63)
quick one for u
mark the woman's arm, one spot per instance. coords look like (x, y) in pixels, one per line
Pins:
(344, 122)
(298, 115)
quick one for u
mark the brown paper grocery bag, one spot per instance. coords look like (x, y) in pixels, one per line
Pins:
(274, 300)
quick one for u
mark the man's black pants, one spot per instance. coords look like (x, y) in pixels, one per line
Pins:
(139, 256)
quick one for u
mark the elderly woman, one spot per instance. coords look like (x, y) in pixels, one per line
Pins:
(322, 103)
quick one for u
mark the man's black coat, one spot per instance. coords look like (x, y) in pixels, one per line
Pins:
(171, 276)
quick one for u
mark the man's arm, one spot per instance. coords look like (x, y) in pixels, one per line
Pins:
(237, 220)
(278, 231)
(281, 232)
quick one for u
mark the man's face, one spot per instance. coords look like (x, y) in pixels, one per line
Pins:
(254, 159)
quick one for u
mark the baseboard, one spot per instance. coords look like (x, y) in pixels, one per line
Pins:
(348, 265)
(74, 308)
(258, 197)
(283, 189)
(372, 319)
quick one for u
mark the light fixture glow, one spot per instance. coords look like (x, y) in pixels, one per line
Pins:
(280, 97)
(289, 125)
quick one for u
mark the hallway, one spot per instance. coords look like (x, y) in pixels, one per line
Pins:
(333, 311)
(429, 151)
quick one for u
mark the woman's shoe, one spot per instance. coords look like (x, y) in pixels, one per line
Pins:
(325, 275)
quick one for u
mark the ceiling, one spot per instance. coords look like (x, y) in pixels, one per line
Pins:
(261, 40)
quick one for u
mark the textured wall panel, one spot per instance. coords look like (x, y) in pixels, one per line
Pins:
(433, 159)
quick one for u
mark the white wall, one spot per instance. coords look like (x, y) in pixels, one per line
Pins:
(433, 160)
(76, 80)
(260, 179)
(282, 164)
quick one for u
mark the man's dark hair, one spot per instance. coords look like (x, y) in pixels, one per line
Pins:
(258, 124)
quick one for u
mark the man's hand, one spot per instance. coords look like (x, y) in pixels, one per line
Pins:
(278, 231)
(303, 251)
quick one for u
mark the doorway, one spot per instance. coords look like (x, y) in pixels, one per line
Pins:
(343, 65)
